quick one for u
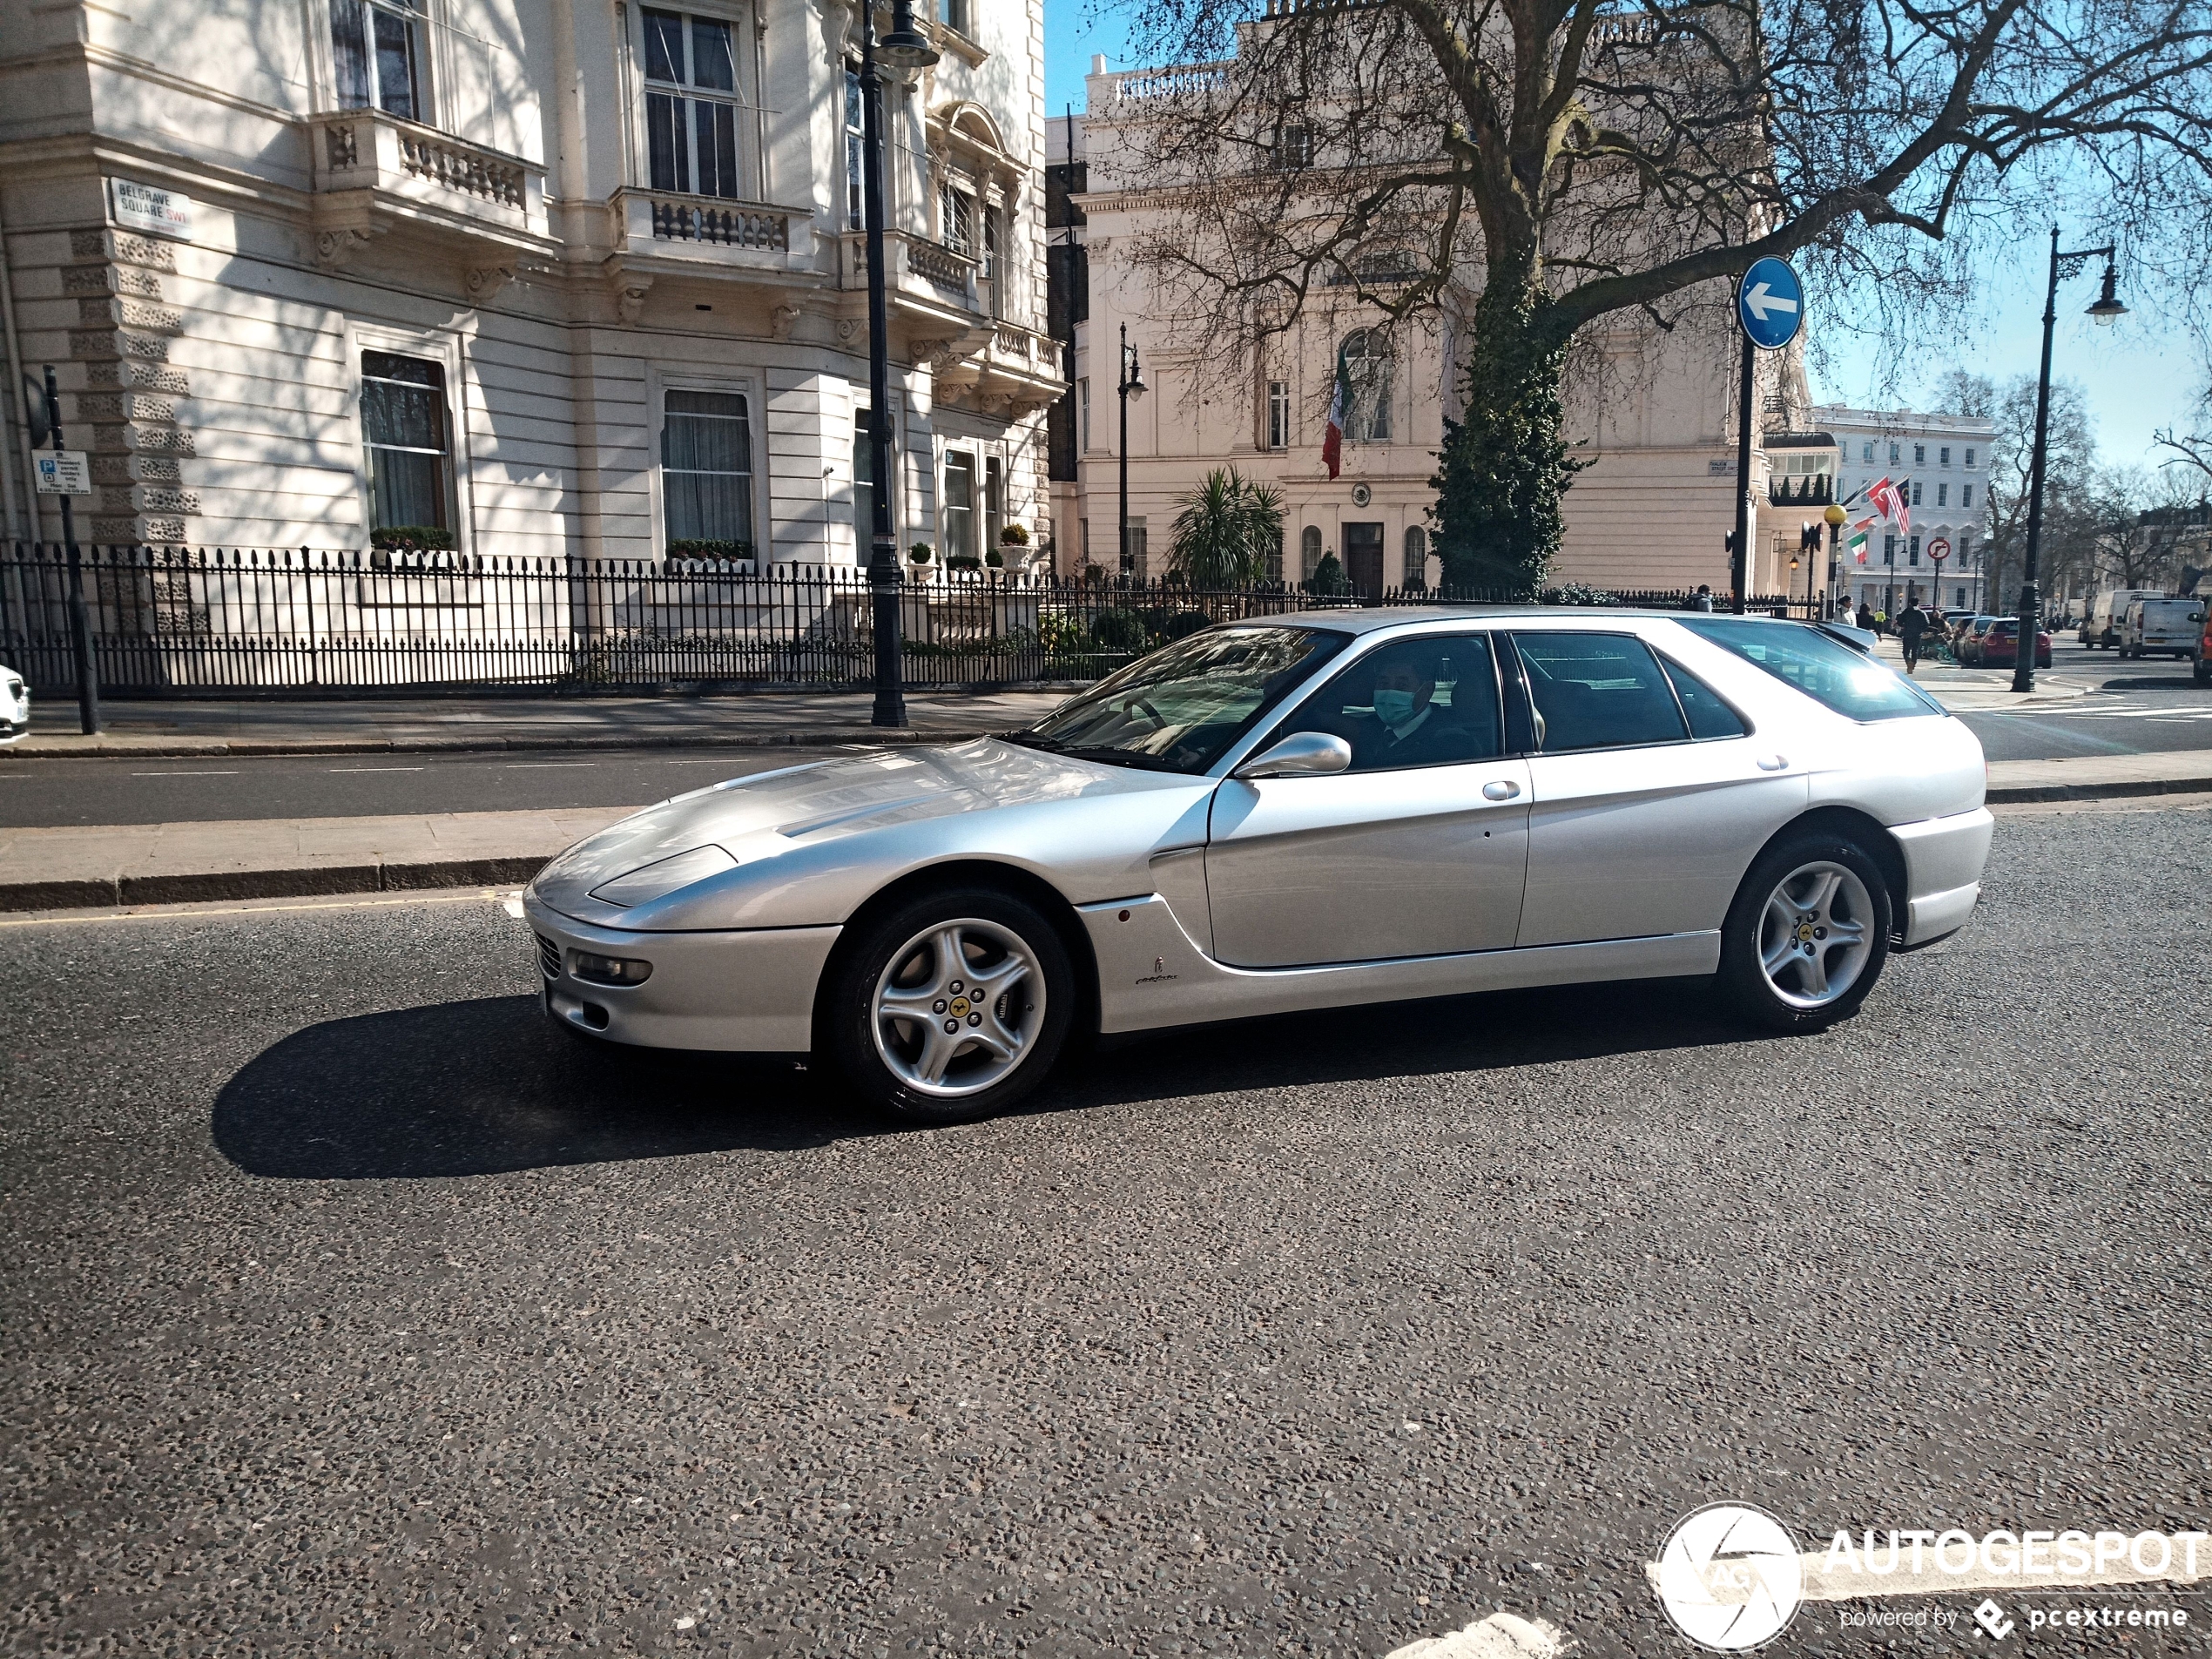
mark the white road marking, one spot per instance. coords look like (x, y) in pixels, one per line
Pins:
(1499, 1636)
(540, 765)
(376, 769)
(184, 774)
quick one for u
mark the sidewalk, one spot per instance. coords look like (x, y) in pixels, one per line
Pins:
(465, 724)
(1967, 690)
(53, 869)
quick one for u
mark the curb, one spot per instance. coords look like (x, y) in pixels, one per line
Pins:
(2020, 794)
(200, 885)
(186, 748)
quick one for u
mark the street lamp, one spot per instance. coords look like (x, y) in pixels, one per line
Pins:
(1131, 386)
(2107, 307)
(905, 47)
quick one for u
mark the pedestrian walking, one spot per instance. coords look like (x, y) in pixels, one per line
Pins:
(1865, 618)
(1703, 598)
(1911, 626)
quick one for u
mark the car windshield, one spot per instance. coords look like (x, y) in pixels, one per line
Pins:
(1833, 675)
(1180, 708)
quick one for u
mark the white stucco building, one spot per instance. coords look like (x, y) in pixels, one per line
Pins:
(1940, 463)
(556, 277)
(1657, 423)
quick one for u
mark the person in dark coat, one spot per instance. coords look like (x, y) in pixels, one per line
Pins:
(1911, 627)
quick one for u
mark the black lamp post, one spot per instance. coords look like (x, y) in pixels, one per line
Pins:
(1131, 386)
(905, 47)
(2107, 307)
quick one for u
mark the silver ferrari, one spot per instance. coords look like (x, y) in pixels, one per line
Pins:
(1305, 811)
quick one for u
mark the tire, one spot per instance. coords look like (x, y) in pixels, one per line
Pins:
(930, 953)
(2202, 673)
(1817, 882)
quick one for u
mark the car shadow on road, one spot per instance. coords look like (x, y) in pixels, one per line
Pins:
(482, 1087)
(489, 1086)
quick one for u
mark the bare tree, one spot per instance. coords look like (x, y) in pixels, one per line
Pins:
(1530, 166)
(2070, 460)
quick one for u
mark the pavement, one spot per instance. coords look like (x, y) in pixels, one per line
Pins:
(351, 1310)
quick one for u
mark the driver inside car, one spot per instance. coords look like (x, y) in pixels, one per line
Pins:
(1408, 727)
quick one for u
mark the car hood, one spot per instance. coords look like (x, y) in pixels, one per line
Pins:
(895, 798)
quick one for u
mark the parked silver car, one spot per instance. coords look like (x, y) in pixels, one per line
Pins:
(1308, 811)
(14, 706)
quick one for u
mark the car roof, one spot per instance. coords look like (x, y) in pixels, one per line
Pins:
(1367, 620)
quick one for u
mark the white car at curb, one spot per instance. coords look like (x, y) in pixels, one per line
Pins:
(14, 706)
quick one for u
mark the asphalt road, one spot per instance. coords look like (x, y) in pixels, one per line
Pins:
(351, 1309)
(42, 792)
(2138, 708)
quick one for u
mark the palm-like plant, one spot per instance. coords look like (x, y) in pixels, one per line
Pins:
(1225, 532)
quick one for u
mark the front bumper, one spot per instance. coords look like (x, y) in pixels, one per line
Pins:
(748, 991)
(1943, 864)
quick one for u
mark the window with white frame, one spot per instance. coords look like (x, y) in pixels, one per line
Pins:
(1367, 360)
(1309, 551)
(408, 439)
(1970, 458)
(1867, 451)
(1279, 415)
(994, 499)
(1416, 574)
(956, 220)
(376, 50)
(691, 103)
(953, 13)
(855, 151)
(959, 526)
(706, 473)
(1082, 411)
(990, 241)
(1966, 495)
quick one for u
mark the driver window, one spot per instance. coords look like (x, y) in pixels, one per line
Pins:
(1425, 702)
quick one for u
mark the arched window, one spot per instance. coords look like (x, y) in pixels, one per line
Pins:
(1416, 557)
(1366, 359)
(1309, 551)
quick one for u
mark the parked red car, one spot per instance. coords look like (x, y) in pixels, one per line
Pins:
(1995, 646)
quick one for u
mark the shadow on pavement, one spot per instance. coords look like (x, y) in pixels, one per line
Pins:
(483, 1087)
(480, 1088)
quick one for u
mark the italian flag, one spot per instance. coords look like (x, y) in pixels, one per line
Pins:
(1340, 412)
(1858, 542)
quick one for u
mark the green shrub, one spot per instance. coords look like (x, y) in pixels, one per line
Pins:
(920, 552)
(1014, 535)
(411, 538)
(700, 547)
(1118, 629)
(996, 559)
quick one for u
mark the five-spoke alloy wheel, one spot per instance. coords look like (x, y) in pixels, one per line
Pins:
(952, 1006)
(1808, 932)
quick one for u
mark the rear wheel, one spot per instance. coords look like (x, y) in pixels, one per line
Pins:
(952, 1006)
(2202, 673)
(1808, 933)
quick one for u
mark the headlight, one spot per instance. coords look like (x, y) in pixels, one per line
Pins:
(652, 881)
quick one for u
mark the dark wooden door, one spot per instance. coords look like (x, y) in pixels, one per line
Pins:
(1362, 560)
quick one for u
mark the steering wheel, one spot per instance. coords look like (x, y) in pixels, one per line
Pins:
(1158, 718)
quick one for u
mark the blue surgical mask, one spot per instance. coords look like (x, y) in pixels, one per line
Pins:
(1394, 708)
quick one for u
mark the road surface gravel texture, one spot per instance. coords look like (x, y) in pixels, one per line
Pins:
(351, 1310)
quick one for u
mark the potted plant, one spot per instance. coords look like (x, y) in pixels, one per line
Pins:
(1014, 548)
(919, 554)
(996, 559)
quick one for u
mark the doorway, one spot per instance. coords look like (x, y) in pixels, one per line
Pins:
(1363, 559)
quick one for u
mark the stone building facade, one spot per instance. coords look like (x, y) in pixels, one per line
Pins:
(551, 277)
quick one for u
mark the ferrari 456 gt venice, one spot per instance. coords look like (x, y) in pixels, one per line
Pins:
(1303, 812)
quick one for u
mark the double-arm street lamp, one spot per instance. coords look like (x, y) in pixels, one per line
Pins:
(1132, 385)
(2107, 307)
(905, 47)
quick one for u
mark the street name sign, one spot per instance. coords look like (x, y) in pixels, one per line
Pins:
(63, 472)
(1770, 304)
(142, 207)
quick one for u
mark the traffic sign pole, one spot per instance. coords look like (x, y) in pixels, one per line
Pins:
(80, 622)
(1769, 308)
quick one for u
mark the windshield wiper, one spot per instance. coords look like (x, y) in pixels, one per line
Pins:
(1029, 739)
(1135, 757)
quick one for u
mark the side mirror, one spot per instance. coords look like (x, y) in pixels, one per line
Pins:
(1300, 755)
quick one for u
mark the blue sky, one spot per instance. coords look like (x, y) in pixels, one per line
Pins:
(2138, 376)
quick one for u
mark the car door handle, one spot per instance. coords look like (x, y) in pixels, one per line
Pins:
(1500, 789)
(1774, 762)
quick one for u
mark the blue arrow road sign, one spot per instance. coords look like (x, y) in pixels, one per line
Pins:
(1771, 303)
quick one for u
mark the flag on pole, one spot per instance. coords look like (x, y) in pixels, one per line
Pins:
(1858, 538)
(1887, 497)
(1340, 412)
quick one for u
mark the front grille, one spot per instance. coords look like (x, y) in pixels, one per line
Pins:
(549, 956)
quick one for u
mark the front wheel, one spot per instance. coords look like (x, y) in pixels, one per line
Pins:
(2202, 673)
(952, 1006)
(1808, 933)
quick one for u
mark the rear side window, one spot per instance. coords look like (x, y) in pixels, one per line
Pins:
(1708, 716)
(1597, 692)
(1825, 670)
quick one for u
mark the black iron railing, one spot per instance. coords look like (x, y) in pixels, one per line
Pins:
(175, 622)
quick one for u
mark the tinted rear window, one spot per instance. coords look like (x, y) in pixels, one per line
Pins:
(1830, 673)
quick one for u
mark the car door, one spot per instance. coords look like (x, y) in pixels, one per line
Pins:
(1419, 850)
(1650, 795)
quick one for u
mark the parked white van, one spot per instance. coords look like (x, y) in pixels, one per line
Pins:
(2108, 615)
(2162, 627)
